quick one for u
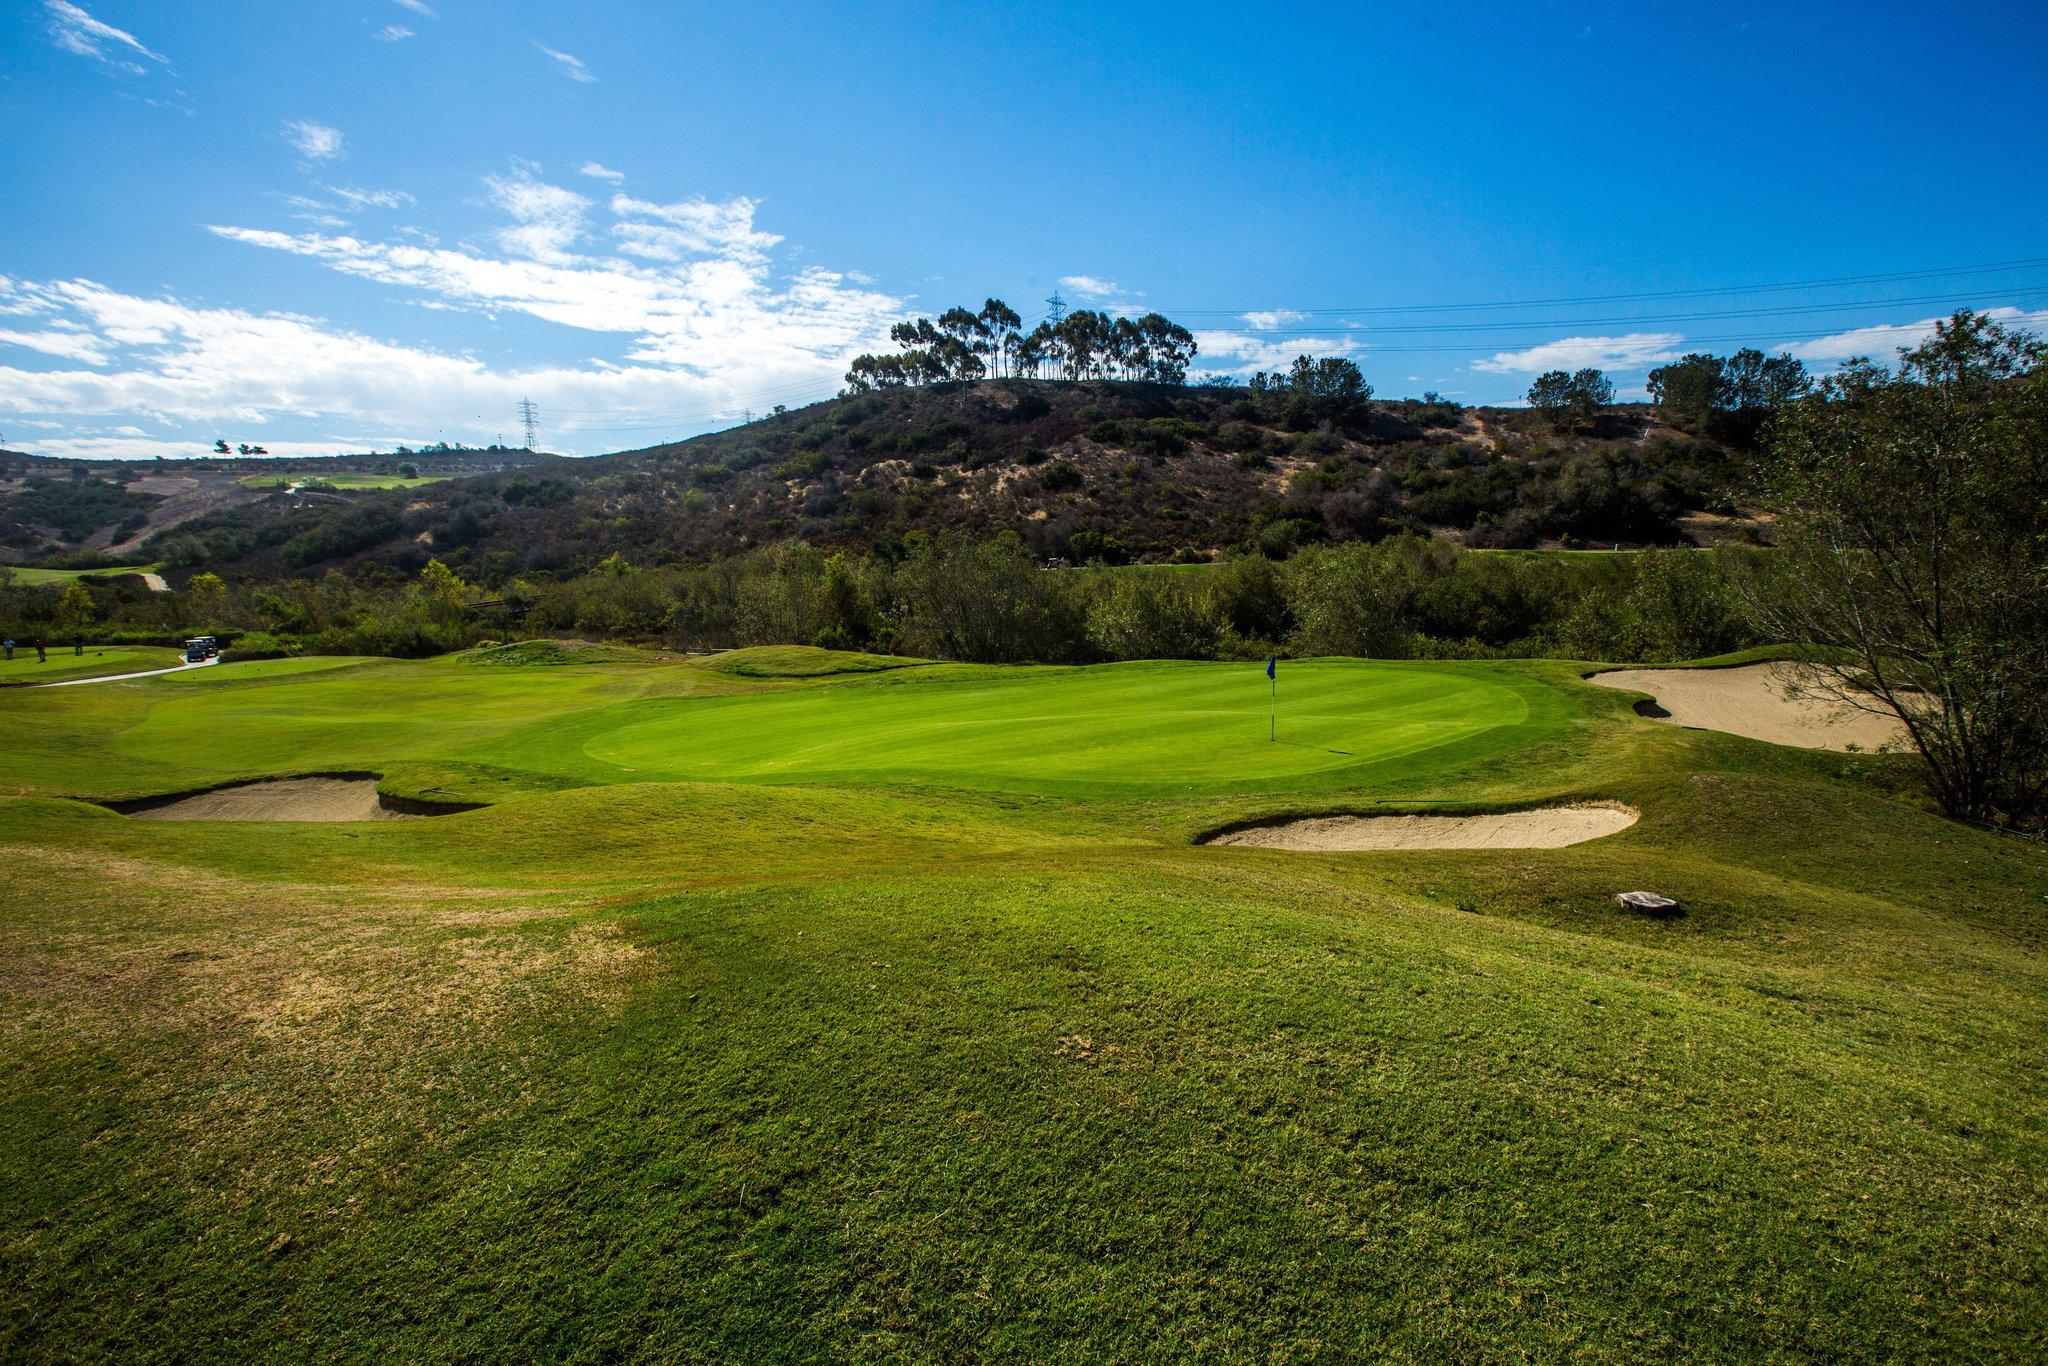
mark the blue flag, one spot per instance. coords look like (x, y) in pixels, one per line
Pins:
(1272, 667)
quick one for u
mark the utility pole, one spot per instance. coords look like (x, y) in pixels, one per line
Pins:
(529, 417)
(1058, 307)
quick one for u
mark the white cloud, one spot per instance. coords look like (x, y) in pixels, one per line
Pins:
(597, 170)
(689, 227)
(417, 7)
(572, 67)
(546, 219)
(1259, 351)
(64, 340)
(72, 29)
(1272, 318)
(313, 141)
(392, 33)
(1634, 351)
(686, 340)
(1092, 286)
(368, 199)
(1882, 343)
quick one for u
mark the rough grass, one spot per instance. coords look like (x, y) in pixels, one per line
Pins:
(928, 1061)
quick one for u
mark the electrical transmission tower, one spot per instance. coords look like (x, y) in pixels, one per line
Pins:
(1058, 307)
(529, 418)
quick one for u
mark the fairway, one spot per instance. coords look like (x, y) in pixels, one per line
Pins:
(98, 660)
(790, 1004)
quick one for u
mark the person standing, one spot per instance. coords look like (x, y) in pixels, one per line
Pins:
(42, 655)
(10, 649)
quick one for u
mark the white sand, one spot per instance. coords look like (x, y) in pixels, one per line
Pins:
(1751, 701)
(280, 799)
(1549, 828)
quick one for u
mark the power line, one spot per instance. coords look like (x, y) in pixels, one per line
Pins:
(1780, 311)
(1825, 282)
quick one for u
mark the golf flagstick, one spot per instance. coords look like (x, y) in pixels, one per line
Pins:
(1273, 716)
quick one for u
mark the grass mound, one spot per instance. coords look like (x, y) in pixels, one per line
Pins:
(538, 654)
(802, 661)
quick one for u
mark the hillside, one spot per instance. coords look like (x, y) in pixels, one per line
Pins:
(52, 507)
(1111, 470)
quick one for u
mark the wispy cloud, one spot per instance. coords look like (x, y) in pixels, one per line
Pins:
(1092, 287)
(392, 33)
(313, 141)
(704, 324)
(63, 339)
(1633, 351)
(368, 199)
(689, 227)
(1246, 352)
(572, 67)
(597, 170)
(546, 219)
(1268, 320)
(74, 30)
(417, 7)
(1884, 341)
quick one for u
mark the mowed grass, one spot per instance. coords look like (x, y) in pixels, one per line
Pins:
(787, 1013)
(339, 481)
(30, 575)
(97, 660)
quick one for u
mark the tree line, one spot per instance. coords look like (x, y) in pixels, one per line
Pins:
(981, 600)
(963, 344)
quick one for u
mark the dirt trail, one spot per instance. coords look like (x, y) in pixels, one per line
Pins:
(1549, 828)
(1751, 701)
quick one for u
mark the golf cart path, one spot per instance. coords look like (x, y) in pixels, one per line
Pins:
(146, 673)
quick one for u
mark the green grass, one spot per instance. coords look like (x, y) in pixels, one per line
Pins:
(344, 482)
(833, 1010)
(27, 575)
(96, 661)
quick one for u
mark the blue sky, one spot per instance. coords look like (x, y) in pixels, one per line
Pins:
(341, 225)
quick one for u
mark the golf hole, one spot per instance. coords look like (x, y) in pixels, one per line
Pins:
(310, 797)
(1551, 827)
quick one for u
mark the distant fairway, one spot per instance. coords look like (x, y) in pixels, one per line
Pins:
(1138, 726)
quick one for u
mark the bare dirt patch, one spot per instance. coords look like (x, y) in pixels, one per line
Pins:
(1754, 700)
(1551, 827)
(322, 797)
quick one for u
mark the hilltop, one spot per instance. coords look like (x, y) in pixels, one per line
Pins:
(1113, 470)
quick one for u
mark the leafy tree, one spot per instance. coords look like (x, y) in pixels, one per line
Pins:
(1912, 511)
(76, 609)
(1689, 389)
(1571, 399)
(1551, 395)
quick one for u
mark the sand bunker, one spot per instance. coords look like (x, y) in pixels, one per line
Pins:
(1751, 701)
(327, 797)
(1548, 828)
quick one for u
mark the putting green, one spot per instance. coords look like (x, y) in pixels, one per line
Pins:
(1141, 726)
(1124, 730)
